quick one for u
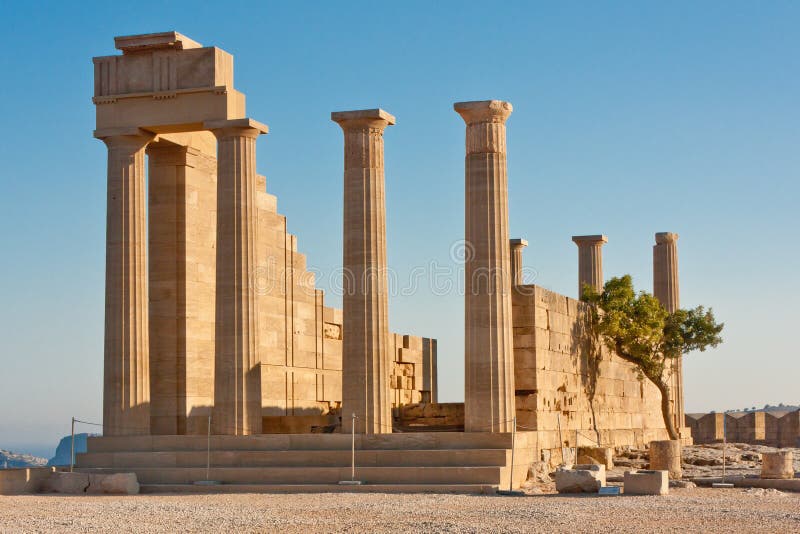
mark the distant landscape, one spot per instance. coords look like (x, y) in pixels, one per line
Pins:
(12, 459)
(769, 408)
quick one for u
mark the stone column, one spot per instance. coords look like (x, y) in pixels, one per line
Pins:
(516, 260)
(590, 261)
(667, 291)
(237, 376)
(126, 382)
(365, 329)
(489, 352)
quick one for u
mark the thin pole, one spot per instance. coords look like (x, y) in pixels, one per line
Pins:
(72, 449)
(560, 438)
(353, 451)
(208, 450)
(513, 446)
(724, 444)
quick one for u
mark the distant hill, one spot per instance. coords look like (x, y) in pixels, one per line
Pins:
(64, 446)
(15, 459)
(10, 459)
(770, 408)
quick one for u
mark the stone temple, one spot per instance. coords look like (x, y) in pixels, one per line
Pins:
(214, 327)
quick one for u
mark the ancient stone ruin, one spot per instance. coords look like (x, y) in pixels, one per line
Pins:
(212, 317)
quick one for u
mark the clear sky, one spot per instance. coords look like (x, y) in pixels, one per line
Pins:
(629, 118)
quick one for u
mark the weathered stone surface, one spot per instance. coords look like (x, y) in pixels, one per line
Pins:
(646, 482)
(599, 455)
(63, 482)
(18, 481)
(778, 464)
(581, 478)
(666, 455)
(113, 484)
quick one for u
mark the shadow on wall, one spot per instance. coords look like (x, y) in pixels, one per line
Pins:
(588, 353)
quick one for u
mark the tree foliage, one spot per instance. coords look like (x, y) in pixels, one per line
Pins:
(640, 330)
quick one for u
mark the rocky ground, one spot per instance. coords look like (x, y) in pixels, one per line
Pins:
(699, 509)
(706, 460)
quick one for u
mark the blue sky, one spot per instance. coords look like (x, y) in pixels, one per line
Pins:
(629, 118)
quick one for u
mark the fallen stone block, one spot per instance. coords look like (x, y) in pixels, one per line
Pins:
(114, 484)
(64, 482)
(596, 455)
(581, 478)
(777, 464)
(685, 484)
(646, 482)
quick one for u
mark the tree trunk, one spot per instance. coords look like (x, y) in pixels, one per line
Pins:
(665, 408)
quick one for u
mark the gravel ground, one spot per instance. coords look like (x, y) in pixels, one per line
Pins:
(698, 510)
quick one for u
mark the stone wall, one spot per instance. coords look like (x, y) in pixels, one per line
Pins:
(301, 338)
(562, 380)
(182, 208)
(778, 429)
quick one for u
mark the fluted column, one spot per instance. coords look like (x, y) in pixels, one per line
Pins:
(516, 260)
(489, 356)
(666, 289)
(590, 261)
(126, 380)
(365, 329)
(237, 378)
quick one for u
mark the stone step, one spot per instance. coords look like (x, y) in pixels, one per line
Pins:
(317, 475)
(397, 441)
(337, 458)
(484, 489)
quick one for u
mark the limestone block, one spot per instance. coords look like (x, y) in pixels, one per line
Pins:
(27, 480)
(599, 455)
(113, 484)
(559, 322)
(778, 464)
(411, 355)
(332, 315)
(646, 482)
(412, 342)
(63, 482)
(665, 455)
(582, 478)
(524, 358)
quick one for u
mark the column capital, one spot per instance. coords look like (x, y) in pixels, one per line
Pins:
(479, 111)
(584, 240)
(236, 127)
(363, 118)
(666, 237)
(518, 243)
(121, 136)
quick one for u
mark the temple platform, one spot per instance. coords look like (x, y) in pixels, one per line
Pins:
(405, 462)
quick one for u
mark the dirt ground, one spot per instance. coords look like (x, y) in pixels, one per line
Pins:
(698, 510)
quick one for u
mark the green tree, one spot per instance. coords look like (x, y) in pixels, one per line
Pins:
(639, 330)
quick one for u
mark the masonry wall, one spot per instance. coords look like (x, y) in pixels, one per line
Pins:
(182, 211)
(301, 338)
(558, 382)
(767, 428)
